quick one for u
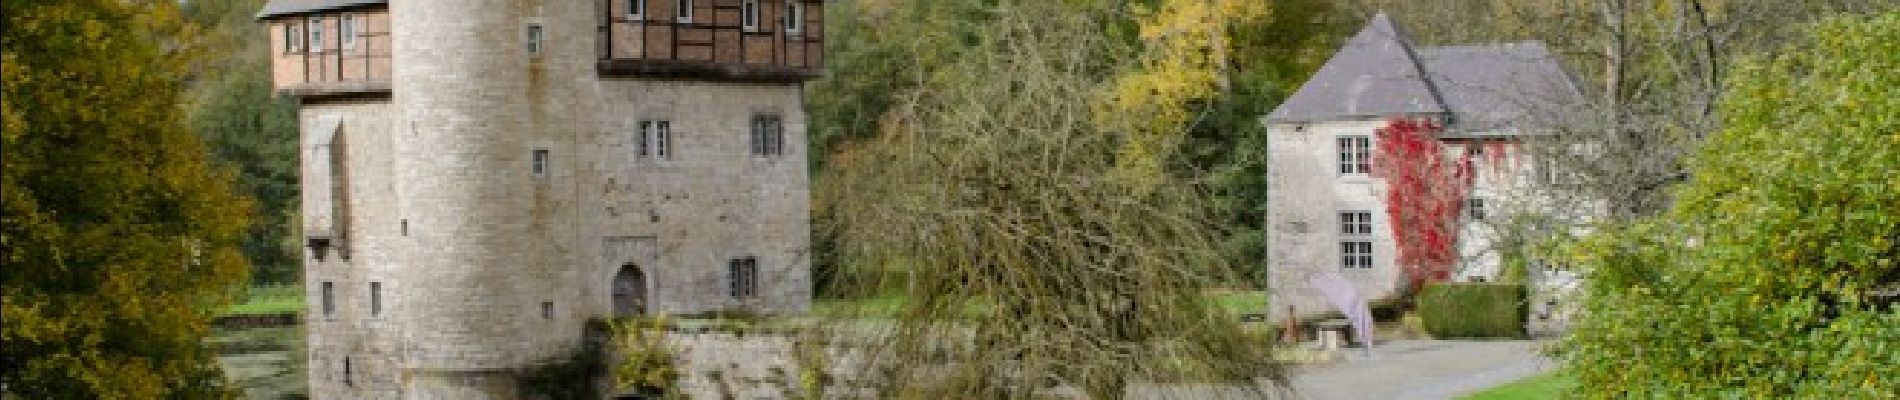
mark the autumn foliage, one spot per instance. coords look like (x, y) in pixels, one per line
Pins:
(1425, 192)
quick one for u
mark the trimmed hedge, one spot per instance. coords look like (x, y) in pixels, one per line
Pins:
(1473, 310)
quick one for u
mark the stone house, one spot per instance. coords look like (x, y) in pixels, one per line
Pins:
(1326, 211)
(480, 177)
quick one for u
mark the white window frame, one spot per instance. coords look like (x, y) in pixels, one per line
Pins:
(293, 37)
(539, 160)
(316, 35)
(637, 10)
(1355, 239)
(1355, 154)
(683, 11)
(749, 15)
(536, 35)
(346, 31)
(655, 139)
(794, 17)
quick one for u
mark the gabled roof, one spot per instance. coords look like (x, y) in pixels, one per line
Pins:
(1378, 74)
(282, 8)
(1375, 74)
(1494, 86)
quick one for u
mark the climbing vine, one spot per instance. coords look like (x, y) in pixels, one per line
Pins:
(1425, 192)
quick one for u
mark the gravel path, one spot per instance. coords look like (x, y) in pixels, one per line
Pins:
(1422, 369)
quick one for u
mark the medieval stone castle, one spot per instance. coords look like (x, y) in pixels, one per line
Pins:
(480, 177)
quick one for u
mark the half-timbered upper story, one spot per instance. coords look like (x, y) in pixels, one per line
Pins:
(342, 47)
(744, 40)
(329, 47)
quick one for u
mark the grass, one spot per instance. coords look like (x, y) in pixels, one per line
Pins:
(1547, 386)
(275, 299)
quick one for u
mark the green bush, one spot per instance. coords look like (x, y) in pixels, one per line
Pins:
(1764, 279)
(1473, 310)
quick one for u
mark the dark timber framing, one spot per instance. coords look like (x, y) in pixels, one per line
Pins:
(715, 21)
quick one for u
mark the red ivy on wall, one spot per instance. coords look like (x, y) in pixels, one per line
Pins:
(1425, 192)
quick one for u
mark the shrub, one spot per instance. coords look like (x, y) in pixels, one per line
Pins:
(1762, 280)
(1473, 310)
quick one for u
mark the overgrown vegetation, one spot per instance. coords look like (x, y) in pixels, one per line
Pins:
(645, 363)
(119, 237)
(1763, 279)
(1473, 310)
(1008, 175)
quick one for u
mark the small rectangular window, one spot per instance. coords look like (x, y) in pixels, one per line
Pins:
(749, 15)
(293, 38)
(663, 139)
(316, 35)
(347, 381)
(683, 11)
(1474, 209)
(1355, 254)
(346, 31)
(768, 135)
(540, 162)
(534, 39)
(329, 299)
(743, 278)
(644, 139)
(1355, 154)
(375, 298)
(547, 310)
(636, 9)
(1355, 248)
(794, 16)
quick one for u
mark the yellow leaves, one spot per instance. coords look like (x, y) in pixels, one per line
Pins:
(1184, 60)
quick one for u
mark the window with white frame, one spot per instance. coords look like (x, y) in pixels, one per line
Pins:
(794, 16)
(749, 15)
(1474, 208)
(534, 39)
(1355, 154)
(293, 38)
(742, 277)
(768, 135)
(346, 31)
(636, 9)
(683, 11)
(655, 139)
(316, 35)
(1355, 239)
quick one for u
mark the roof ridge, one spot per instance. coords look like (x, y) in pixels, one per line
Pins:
(1418, 65)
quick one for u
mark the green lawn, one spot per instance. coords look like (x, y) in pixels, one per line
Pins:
(278, 299)
(1547, 386)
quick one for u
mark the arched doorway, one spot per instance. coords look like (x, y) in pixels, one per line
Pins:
(630, 291)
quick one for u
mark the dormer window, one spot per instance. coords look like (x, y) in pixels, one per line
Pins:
(683, 11)
(794, 17)
(637, 10)
(749, 15)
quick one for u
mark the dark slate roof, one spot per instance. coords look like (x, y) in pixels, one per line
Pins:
(1375, 74)
(281, 8)
(1494, 86)
(1379, 74)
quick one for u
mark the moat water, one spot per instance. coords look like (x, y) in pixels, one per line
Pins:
(266, 362)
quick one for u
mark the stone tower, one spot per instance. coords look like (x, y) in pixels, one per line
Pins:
(481, 177)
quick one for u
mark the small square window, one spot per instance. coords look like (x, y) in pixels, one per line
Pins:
(655, 139)
(540, 162)
(534, 39)
(768, 135)
(1355, 154)
(1474, 209)
(547, 310)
